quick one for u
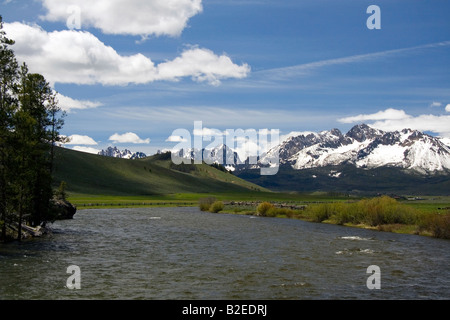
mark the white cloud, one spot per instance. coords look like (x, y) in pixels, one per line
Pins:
(425, 122)
(388, 114)
(128, 17)
(128, 137)
(447, 108)
(86, 149)
(68, 104)
(392, 120)
(79, 57)
(176, 139)
(202, 65)
(83, 140)
(207, 132)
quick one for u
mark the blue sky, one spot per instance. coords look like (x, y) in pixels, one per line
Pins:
(137, 70)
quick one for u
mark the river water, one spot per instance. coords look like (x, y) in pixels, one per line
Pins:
(182, 253)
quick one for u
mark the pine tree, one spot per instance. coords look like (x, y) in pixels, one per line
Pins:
(8, 105)
(30, 123)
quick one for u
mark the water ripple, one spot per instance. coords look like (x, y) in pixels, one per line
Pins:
(182, 253)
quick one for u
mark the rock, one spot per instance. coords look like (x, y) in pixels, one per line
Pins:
(63, 209)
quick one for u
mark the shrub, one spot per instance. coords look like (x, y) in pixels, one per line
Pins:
(437, 224)
(264, 207)
(272, 212)
(342, 217)
(205, 203)
(374, 212)
(216, 207)
(319, 213)
(385, 210)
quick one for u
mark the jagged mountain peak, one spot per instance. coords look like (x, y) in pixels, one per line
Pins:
(221, 154)
(124, 154)
(366, 147)
(362, 132)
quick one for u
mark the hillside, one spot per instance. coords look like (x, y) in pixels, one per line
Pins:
(349, 179)
(99, 175)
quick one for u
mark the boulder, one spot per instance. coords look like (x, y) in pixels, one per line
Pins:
(63, 209)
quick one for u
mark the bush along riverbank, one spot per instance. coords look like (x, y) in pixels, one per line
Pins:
(380, 213)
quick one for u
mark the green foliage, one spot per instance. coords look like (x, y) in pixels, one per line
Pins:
(216, 207)
(29, 129)
(280, 212)
(319, 213)
(437, 224)
(61, 193)
(373, 212)
(264, 207)
(206, 203)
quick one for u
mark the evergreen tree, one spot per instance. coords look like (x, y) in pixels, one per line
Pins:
(8, 105)
(30, 125)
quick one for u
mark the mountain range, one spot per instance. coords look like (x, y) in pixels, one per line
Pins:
(124, 154)
(365, 147)
(364, 159)
(362, 146)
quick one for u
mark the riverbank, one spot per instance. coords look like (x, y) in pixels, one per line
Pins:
(60, 209)
(27, 232)
(381, 213)
(419, 215)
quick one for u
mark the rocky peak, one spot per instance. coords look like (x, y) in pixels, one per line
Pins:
(125, 154)
(363, 132)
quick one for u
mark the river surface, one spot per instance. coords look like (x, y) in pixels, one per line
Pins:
(182, 253)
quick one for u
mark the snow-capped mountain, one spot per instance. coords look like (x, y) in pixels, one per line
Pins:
(221, 154)
(365, 147)
(125, 154)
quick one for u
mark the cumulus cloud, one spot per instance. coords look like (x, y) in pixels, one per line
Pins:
(176, 139)
(86, 149)
(201, 65)
(393, 119)
(79, 139)
(78, 57)
(68, 104)
(207, 132)
(388, 114)
(128, 137)
(127, 17)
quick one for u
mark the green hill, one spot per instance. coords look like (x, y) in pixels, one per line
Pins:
(156, 175)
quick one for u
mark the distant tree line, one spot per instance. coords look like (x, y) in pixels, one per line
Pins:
(30, 120)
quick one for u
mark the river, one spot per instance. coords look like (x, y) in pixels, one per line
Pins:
(183, 253)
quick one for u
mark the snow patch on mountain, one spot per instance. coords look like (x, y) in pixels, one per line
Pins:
(123, 154)
(365, 147)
